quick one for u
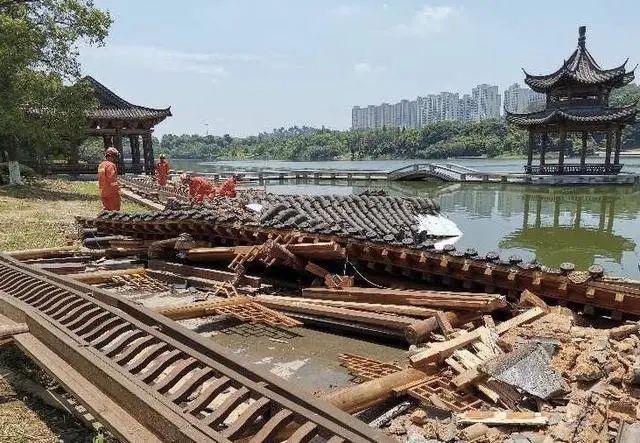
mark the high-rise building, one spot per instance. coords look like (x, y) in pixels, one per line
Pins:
(521, 100)
(487, 100)
(484, 102)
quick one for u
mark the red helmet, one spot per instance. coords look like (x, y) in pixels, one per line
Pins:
(111, 152)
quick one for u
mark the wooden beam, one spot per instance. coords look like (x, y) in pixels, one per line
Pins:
(438, 352)
(211, 274)
(31, 254)
(370, 318)
(373, 392)
(97, 277)
(521, 319)
(311, 251)
(433, 299)
(411, 311)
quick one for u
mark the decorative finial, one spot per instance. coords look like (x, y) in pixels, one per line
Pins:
(582, 31)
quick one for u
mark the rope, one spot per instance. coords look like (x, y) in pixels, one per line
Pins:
(362, 276)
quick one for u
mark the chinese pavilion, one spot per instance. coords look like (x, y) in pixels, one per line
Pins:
(577, 101)
(115, 118)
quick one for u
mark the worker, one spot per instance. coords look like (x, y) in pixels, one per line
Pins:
(199, 188)
(162, 171)
(108, 181)
(228, 188)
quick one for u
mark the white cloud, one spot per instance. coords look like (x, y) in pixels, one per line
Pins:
(430, 19)
(215, 65)
(363, 68)
(344, 10)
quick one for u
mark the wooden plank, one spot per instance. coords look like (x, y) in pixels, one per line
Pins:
(311, 251)
(200, 309)
(440, 351)
(521, 319)
(503, 418)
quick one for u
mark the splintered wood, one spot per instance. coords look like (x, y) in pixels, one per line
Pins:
(242, 308)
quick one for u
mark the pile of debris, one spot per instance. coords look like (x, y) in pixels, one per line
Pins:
(543, 375)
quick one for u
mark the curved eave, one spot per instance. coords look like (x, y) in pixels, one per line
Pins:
(625, 114)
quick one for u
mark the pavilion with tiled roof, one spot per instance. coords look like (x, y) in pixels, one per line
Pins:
(115, 118)
(577, 101)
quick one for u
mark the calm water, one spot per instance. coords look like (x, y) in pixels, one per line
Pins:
(583, 225)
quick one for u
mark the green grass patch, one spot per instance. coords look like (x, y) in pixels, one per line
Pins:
(41, 214)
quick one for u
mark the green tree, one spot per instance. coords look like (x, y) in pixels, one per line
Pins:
(42, 106)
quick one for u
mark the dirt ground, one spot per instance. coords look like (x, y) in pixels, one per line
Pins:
(39, 214)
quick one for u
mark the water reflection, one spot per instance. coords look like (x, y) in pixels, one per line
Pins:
(547, 236)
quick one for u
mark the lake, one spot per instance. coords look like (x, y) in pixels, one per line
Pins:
(582, 225)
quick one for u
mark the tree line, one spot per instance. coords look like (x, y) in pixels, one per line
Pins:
(490, 138)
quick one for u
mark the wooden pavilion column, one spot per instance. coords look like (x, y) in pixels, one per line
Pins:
(562, 143)
(117, 143)
(616, 155)
(134, 141)
(583, 152)
(530, 151)
(607, 155)
(147, 149)
(543, 148)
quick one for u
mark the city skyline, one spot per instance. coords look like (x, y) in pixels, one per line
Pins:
(306, 63)
(483, 102)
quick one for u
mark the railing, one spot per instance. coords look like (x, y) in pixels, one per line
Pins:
(79, 168)
(420, 170)
(573, 169)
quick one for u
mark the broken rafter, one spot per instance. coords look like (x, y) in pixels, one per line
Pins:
(312, 251)
(97, 277)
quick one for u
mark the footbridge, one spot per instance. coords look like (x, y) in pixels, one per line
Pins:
(446, 172)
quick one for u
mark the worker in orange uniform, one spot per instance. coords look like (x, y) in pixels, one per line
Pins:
(108, 181)
(228, 188)
(199, 188)
(162, 171)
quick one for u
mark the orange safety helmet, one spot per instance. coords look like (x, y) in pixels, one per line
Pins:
(111, 152)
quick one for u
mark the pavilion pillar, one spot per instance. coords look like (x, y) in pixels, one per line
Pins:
(530, 152)
(134, 142)
(117, 143)
(147, 149)
(563, 145)
(616, 155)
(612, 213)
(607, 155)
(108, 141)
(583, 151)
(543, 148)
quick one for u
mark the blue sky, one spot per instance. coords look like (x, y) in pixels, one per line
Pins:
(242, 67)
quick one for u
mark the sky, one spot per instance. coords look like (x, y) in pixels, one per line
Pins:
(241, 67)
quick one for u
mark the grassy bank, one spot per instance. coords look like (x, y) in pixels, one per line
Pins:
(38, 215)
(42, 213)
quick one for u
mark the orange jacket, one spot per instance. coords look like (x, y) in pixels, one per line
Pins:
(108, 179)
(162, 172)
(200, 188)
(228, 188)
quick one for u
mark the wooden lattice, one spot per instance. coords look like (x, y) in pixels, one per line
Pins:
(442, 388)
(256, 313)
(367, 368)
